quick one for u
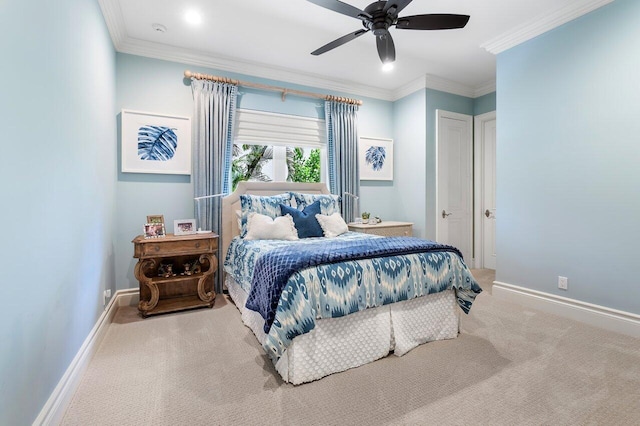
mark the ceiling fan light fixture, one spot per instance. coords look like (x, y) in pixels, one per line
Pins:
(387, 66)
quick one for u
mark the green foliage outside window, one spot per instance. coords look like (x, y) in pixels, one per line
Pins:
(305, 169)
(249, 160)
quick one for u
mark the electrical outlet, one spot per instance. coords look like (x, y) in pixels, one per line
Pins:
(106, 295)
(563, 283)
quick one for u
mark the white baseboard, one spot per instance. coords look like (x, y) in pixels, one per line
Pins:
(595, 315)
(56, 405)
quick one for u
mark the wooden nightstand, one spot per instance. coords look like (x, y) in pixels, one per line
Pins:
(384, 228)
(188, 284)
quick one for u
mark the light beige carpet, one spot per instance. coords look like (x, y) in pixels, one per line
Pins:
(510, 365)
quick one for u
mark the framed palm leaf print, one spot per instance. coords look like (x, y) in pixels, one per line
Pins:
(375, 157)
(155, 143)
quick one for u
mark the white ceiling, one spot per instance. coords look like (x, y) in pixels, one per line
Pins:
(273, 39)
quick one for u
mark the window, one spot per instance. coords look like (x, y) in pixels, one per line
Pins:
(278, 147)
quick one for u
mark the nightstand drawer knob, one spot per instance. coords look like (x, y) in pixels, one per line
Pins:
(156, 248)
(198, 245)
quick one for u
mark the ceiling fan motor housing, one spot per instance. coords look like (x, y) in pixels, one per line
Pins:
(380, 20)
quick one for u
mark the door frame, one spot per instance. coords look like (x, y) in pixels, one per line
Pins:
(478, 191)
(464, 117)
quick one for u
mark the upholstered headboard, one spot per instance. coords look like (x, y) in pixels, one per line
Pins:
(231, 203)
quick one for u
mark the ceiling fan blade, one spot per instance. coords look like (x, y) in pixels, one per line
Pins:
(340, 7)
(397, 5)
(338, 42)
(386, 48)
(435, 21)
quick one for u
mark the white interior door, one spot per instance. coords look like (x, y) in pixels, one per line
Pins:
(454, 187)
(484, 153)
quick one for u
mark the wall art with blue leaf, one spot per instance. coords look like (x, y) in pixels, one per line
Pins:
(155, 143)
(376, 158)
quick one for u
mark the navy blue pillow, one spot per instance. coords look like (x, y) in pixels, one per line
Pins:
(305, 220)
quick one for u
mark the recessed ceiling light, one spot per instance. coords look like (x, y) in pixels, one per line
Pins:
(159, 28)
(193, 17)
(387, 66)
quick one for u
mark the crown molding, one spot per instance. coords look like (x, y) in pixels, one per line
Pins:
(485, 89)
(409, 88)
(442, 84)
(542, 24)
(438, 83)
(255, 69)
(115, 22)
(125, 44)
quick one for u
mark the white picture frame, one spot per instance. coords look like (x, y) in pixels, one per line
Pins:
(155, 143)
(375, 156)
(184, 227)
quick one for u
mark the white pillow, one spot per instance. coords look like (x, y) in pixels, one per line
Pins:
(261, 227)
(332, 225)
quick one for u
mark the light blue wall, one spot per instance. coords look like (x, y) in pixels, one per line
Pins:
(375, 119)
(407, 201)
(153, 86)
(158, 86)
(567, 159)
(57, 185)
(484, 104)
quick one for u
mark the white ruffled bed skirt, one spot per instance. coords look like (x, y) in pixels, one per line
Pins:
(337, 344)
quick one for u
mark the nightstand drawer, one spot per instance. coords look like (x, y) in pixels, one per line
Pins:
(173, 248)
(384, 229)
(173, 245)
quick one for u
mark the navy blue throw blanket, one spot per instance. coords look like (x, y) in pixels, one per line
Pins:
(273, 269)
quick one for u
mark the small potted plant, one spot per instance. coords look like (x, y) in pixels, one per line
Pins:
(365, 216)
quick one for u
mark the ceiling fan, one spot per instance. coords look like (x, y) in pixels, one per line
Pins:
(379, 16)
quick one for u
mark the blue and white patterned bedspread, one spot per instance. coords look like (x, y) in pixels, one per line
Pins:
(273, 269)
(338, 289)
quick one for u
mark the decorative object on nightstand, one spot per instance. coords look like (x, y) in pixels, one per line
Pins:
(384, 228)
(155, 218)
(176, 272)
(154, 230)
(184, 226)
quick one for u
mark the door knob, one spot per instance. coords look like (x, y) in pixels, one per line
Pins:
(487, 213)
(445, 214)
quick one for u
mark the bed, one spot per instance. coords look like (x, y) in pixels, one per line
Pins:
(327, 318)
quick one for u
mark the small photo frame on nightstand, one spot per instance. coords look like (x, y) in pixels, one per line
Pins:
(154, 230)
(184, 227)
(155, 218)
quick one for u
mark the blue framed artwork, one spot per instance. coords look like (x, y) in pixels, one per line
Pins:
(375, 157)
(155, 143)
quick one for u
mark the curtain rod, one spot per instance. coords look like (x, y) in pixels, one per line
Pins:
(284, 90)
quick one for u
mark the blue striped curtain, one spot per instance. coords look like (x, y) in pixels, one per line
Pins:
(215, 108)
(342, 152)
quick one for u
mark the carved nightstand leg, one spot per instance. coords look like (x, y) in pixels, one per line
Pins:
(145, 306)
(207, 296)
